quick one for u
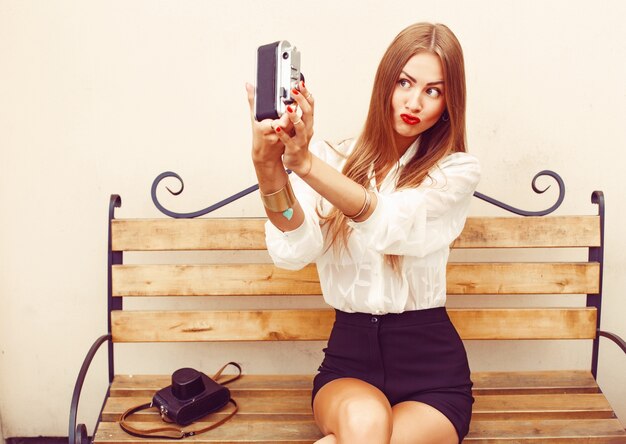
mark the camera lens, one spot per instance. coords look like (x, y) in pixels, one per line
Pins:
(285, 55)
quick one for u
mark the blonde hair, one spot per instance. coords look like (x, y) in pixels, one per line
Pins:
(376, 145)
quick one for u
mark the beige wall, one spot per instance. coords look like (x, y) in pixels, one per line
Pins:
(98, 97)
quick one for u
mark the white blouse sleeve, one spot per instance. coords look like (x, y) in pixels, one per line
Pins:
(295, 249)
(421, 220)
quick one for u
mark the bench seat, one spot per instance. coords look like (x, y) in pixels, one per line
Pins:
(522, 278)
(521, 407)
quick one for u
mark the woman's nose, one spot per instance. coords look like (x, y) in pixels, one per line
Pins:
(414, 102)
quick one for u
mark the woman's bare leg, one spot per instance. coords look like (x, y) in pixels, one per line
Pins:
(418, 423)
(352, 411)
(328, 439)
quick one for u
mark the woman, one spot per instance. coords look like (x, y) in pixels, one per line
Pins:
(377, 216)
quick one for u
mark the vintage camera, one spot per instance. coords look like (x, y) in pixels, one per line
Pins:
(277, 72)
(192, 396)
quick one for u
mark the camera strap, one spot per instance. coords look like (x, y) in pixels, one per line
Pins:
(172, 432)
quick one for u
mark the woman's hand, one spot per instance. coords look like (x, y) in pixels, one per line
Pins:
(296, 155)
(267, 148)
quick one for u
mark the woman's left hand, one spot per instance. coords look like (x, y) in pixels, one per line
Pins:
(296, 156)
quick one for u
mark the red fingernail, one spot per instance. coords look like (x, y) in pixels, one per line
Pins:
(289, 109)
(278, 129)
(295, 91)
(302, 82)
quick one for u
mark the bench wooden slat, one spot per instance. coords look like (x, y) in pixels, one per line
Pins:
(530, 232)
(290, 405)
(485, 383)
(287, 406)
(248, 429)
(213, 280)
(248, 234)
(241, 429)
(552, 406)
(266, 279)
(312, 325)
(187, 234)
(597, 431)
(523, 278)
(534, 382)
(145, 385)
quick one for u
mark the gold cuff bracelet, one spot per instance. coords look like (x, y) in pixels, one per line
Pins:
(281, 200)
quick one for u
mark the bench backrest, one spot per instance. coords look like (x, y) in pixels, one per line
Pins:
(496, 271)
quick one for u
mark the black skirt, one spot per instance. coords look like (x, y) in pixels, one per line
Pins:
(411, 356)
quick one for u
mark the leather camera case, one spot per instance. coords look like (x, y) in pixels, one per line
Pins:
(191, 396)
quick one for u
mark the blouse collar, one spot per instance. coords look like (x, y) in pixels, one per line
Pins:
(409, 153)
(389, 182)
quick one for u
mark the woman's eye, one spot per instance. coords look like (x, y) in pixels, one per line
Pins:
(433, 92)
(404, 83)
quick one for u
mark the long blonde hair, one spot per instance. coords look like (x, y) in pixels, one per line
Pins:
(376, 145)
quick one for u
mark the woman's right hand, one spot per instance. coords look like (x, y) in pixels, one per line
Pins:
(267, 148)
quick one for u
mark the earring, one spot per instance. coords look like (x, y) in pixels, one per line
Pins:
(445, 116)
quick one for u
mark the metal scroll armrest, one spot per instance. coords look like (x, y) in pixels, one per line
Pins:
(78, 434)
(615, 338)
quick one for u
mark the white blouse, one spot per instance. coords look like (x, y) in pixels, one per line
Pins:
(418, 223)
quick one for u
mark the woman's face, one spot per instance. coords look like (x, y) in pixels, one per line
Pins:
(418, 99)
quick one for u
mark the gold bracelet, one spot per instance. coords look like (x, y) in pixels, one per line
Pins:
(366, 205)
(280, 201)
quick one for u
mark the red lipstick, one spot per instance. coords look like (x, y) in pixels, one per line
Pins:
(410, 120)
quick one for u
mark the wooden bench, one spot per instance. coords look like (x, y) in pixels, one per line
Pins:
(555, 406)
